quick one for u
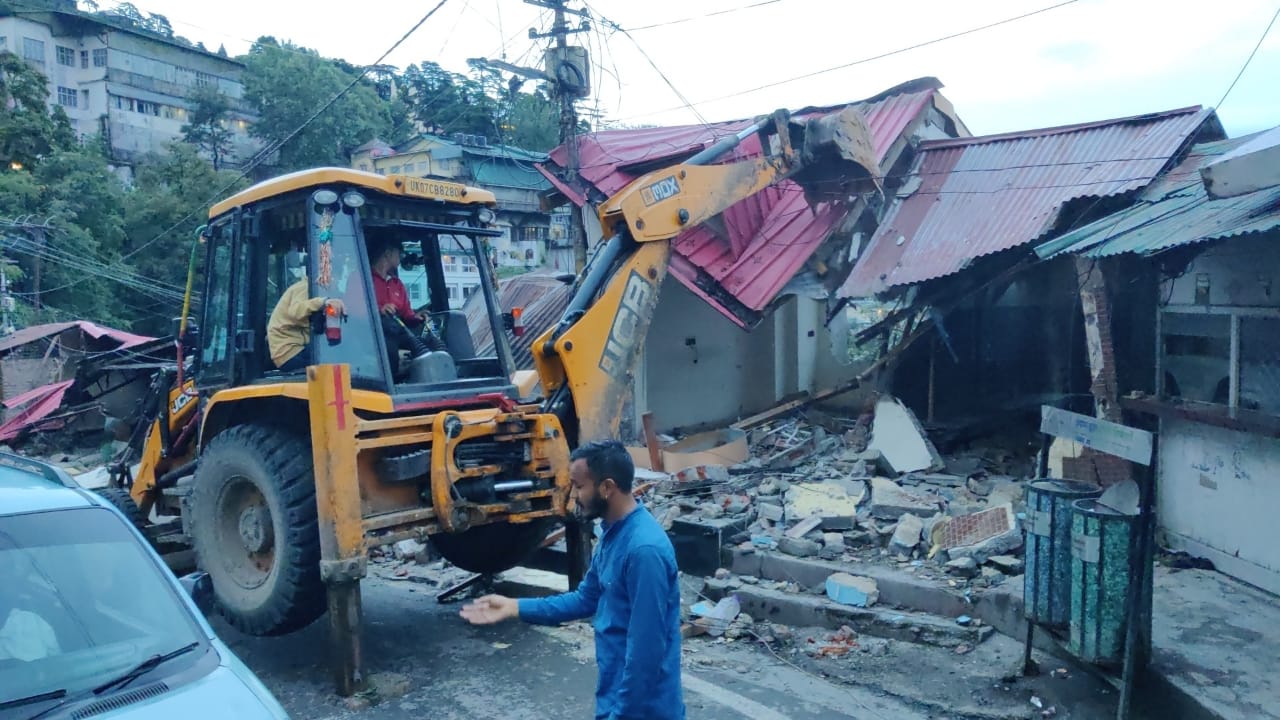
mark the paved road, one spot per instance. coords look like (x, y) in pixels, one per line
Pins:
(519, 672)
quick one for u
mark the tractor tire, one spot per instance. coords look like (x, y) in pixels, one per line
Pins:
(254, 528)
(123, 501)
(490, 549)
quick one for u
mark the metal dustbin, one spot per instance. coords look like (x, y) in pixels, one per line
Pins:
(1102, 561)
(1046, 584)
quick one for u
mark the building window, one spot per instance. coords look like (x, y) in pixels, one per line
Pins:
(395, 169)
(169, 112)
(381, 171)
(84, 99)
(415, 292)
(148, 108)
(33, 50)
(66, 56)
(450, 263)
(122, 103)
(1196, 350)
(204, 78)
(453, 292)
(468, 291)
(68, 97)
(100, 57)
(84, 59)
(364, 167)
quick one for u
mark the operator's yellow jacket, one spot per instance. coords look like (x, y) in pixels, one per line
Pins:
(289, 329)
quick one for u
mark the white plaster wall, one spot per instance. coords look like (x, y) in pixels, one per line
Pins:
(731, 375)
(1242, 272)
(1218, 491)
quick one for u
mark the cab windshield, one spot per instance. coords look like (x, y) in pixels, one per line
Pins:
(80, 602)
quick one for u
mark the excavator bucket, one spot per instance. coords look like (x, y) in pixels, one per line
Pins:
(838, 156)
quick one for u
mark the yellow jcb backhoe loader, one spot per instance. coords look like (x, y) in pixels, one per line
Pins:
(283, 479)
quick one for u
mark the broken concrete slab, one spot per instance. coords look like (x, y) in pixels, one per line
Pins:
(898, 435)
(694, 478)
(799, 546)
(906, 537)
(889, 501)
(804, 526)
(770, 511)
(852, 590)
(835, 502)
(1007, 564)
(410, 549)
(963, 567)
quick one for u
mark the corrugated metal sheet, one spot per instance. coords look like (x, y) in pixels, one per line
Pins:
(771, 235)
(1175, 211)
(979, 196)
(544, 299)
(38, 332)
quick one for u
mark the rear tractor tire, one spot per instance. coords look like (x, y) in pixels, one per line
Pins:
(254, 529)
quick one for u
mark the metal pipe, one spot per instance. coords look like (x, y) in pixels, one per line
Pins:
(172, 477)
(512, 486)
(716, 151)
(601, 268)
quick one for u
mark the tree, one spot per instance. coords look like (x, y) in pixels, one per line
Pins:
(207, 127)
(29, 130)
(531, 121)
(168, 188)
(444, 102)
(287, 84)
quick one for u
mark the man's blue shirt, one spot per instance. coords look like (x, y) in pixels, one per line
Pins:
(633, 591)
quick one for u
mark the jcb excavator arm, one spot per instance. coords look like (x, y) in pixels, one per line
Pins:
(586, 362)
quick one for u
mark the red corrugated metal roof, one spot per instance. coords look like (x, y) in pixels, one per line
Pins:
(770, 235)
(38, 332)
(979, 196)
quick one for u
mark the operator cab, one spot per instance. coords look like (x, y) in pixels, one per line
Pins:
(322, 228)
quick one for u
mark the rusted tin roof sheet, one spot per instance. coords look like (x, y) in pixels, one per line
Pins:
(978, 196)
(1175, 211)
(769, 236)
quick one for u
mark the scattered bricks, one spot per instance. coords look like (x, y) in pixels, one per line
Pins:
(963, 567)
(734, 504)
(799, 546)
(851, 590)
(889, 501)
(1007, 564)
(804, 527)
(906, 537)
(833, 539)
(768, 488)
(770, 511)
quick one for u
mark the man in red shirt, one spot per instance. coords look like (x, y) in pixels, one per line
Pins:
(388, 289)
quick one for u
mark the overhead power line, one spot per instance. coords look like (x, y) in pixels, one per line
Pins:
(1248, 60)
(872, 58)
(717, 13)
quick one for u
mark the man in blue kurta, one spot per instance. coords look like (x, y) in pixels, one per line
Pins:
(631, 588)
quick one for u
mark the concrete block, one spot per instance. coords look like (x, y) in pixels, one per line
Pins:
(799, 547)
(889, 501)
(804, 527)
(770, 511)
(852, 590)
(900, 438)
(963, 567)
(835, 502)
(410, 549)
(1007, 564)
(833, 539)
(983, 534)
(906, 537)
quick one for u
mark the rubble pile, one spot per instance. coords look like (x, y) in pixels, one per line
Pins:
(835, 490)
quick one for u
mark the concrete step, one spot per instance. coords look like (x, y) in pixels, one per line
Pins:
(805, 610)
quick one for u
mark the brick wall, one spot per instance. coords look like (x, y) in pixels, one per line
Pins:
(1096, 467)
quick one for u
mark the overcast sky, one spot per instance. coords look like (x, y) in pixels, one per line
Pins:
(1088, 60)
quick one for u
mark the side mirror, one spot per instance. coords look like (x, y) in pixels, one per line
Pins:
(567, 278)
(200, 587)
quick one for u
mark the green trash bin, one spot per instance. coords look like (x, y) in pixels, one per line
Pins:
(1046, 584)
(1103, 558)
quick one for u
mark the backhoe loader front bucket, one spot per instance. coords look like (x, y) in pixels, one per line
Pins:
(838, 156)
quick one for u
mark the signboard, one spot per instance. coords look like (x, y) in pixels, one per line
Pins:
(1101, 435)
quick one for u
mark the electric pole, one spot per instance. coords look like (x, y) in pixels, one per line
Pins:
(566, 70)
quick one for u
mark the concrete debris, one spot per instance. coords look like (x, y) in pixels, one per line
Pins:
(938, 479)
(771, 511)
(804, 527)
(410, 549)
(980, 486)
(852, 590)
(965, 567)
(1007, 564)
(799, 547)
(723, 574)
(889, 501)
(770, 487)
(906, 537)
(833, 539)
(692, 479)
(711, 510)
(836, 503)
(900, 438)
(839, 644)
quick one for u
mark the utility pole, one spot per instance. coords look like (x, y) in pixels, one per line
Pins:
(566, 69)
(36, 231)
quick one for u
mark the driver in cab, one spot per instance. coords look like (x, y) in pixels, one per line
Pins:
(399, 321)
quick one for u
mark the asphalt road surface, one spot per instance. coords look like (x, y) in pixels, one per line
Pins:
(433, 665)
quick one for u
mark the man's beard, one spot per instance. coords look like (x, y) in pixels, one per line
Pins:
(593, 510)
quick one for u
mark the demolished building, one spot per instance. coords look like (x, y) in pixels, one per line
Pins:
(768, 266)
